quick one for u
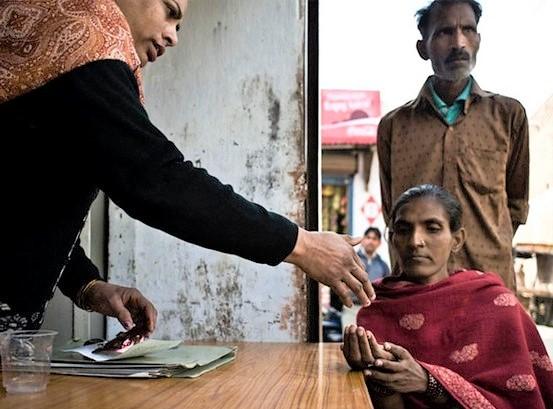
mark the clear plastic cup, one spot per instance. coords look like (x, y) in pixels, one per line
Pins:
(26, 360)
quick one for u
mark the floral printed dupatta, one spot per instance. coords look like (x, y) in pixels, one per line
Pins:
(471, 333)
(43, 39)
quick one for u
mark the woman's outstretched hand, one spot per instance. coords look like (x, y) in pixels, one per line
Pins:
(330, 259)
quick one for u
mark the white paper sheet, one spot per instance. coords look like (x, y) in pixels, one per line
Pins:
(146, 347)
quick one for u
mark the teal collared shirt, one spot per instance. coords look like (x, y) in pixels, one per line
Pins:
(451, 113)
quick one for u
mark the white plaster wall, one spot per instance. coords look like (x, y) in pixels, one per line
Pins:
(231, 97)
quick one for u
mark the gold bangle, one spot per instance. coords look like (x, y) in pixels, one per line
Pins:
(81, 294)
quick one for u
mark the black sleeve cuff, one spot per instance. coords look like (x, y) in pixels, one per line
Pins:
(78, 272)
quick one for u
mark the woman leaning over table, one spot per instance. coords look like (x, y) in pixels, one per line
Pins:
(73, 122)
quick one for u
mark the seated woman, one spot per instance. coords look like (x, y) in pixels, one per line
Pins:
(434, 338)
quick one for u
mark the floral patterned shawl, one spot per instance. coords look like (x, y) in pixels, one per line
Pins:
(43, 39)
(471, 333)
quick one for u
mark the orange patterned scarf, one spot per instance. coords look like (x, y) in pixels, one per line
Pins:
(43, 39)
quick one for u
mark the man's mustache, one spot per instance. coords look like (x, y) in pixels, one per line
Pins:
(457, 55)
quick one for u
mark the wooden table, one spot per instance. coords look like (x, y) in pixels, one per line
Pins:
(264, 375)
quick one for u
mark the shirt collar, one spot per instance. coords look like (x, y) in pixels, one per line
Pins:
(425, 95)
(461, 98)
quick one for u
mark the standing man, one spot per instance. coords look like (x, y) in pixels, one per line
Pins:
(474, 143)
(374, 265)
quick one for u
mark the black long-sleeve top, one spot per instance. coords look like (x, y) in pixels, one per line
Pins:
(87, 130)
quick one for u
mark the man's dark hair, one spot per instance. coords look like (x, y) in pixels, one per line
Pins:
(375, 231)
(424, 14)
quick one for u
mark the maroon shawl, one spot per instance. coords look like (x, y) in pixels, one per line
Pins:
(471, 333)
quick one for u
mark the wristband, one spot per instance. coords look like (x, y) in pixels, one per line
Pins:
(80, 299)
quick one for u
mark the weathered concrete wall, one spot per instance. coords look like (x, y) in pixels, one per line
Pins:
(231, 97)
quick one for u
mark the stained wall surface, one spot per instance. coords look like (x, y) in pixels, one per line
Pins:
(230, 96)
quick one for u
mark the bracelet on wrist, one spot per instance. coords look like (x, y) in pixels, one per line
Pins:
(80, 299)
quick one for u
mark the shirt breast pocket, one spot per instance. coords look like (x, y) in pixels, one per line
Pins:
(483, 169)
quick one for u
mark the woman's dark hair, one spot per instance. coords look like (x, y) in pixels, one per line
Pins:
(442, 196)
(423, 15)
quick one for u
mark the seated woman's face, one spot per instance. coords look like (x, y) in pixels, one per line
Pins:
(423, 241)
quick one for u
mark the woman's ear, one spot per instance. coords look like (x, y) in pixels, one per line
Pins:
(458, 240)
(422, 50)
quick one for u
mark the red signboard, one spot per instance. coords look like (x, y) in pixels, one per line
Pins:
(349, 117)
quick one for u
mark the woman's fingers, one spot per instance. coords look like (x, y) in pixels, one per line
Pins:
(387, 365)
(365, 292)
(367, 356)
(342, 290)
(378, 350)
(355, 352)
(330, 259)
(384, 378)
(122, 313)
(345, 343)
(375, 347)
(398, 352)
(355, 281)
(150, 313)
